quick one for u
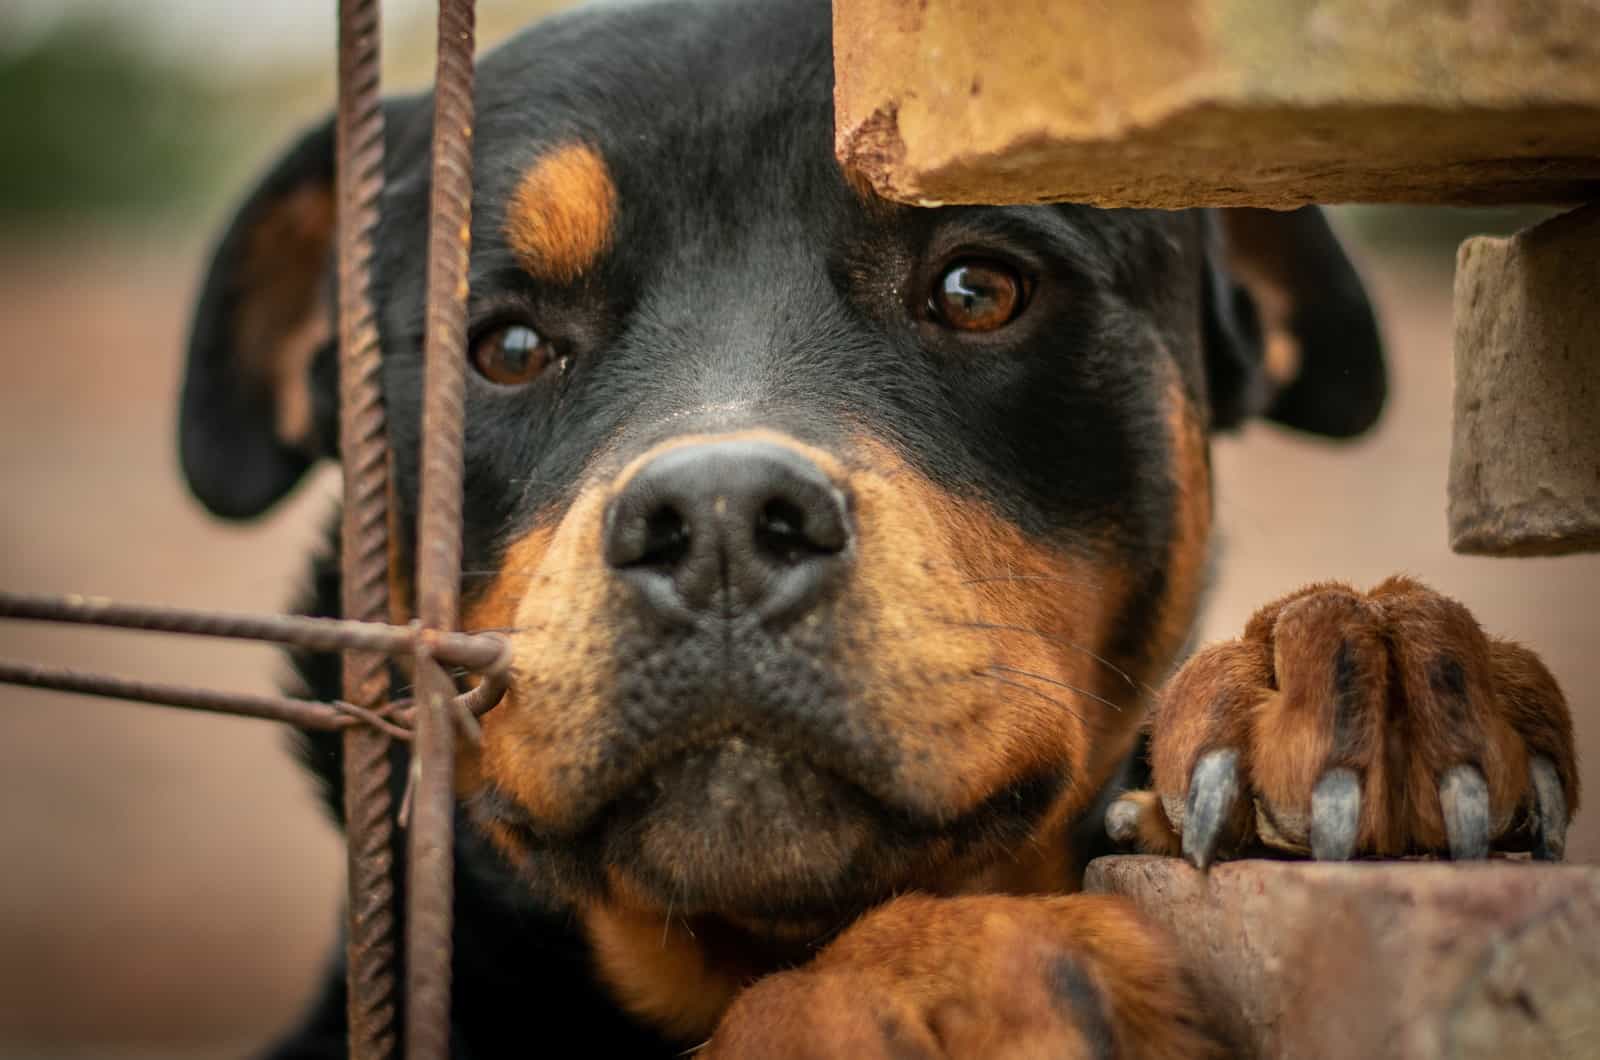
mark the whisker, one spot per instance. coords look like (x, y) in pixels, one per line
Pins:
(503, 629)
(1031, 690)
(1053, 639)
(1059, 684)
(530, 572)
(1060, 579)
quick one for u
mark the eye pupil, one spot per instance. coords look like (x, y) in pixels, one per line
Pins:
(977, 296)
(511, 355)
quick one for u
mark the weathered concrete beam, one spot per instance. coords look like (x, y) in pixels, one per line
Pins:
(1220, 102)
(1525, 459)
(1372, 961)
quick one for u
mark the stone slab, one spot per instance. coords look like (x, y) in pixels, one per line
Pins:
(1414, 960)
(1170, 103)
(1525, 454)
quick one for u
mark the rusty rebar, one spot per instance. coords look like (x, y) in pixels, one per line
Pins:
(363, 540)
(429, 881)
(306, 714)
(483, 652)
(397, 719)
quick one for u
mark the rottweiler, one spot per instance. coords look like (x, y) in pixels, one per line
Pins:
(843, 547)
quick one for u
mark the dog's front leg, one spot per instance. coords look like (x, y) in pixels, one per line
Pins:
(996, 977)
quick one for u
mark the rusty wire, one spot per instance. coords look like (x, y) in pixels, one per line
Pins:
(483, 652)
(364, 540)
(396, 720)
(429, 878)
(325, 717)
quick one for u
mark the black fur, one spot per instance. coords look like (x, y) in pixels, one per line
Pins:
(745, 274)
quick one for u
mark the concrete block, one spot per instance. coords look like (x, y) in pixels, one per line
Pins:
(1415, 960)
(1525, 457)
(1172, 103)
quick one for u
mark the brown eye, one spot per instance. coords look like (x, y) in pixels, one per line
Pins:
(511, 355)
(977, 296)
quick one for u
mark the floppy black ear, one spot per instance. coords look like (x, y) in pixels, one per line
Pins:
(258, 403)
(1289, 331)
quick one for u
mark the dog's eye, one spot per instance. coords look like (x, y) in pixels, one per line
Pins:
(977, 296)
(511, 355)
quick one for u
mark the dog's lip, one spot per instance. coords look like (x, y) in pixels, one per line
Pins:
(649, 785)
(608, 798)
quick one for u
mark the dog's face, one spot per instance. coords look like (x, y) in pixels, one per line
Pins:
(838, 541)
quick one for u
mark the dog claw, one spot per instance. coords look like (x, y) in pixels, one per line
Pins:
(1213, 791)
(1464, 798)
(1122, 821)
(1335, 815)
(1550, 801)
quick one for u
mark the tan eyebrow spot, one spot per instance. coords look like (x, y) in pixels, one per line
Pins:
(561, 215)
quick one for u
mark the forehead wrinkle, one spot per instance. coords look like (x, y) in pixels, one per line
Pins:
(562, 214)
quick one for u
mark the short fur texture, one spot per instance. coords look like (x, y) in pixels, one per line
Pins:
(812, 771)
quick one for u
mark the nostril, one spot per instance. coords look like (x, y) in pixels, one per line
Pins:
(787, 533)
(666, 539)
(780, 531)
(736, 526)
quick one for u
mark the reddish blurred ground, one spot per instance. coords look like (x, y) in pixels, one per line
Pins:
(169, 885)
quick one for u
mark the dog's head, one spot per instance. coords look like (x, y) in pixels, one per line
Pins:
(838, 541)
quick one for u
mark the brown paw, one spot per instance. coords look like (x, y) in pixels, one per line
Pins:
(1008, 978)
(1344, 724)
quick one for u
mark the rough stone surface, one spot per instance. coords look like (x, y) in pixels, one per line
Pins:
(1220, 102)
(1525, 460)
(1414, 960)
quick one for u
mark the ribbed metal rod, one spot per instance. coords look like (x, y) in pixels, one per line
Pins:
(370, 942)
(485, 652)
(429, 882)
(396, 719)
(306, 714)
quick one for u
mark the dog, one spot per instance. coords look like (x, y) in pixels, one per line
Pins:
(843, 547)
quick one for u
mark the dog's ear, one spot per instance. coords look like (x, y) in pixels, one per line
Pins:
(1289, 332)
(258, 398)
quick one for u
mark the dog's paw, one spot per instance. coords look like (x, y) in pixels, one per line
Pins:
(1345, 724)
(992, 977)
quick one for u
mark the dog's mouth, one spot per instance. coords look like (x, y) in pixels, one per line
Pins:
(744, 826)
(735, 820)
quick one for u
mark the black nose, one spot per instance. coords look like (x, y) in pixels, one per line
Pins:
(737, 526)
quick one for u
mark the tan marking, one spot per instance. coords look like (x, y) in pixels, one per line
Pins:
(400, 605)
(980, 976)
(972, 644)
(1436, 731)
(662, 970)
(1259, 259)
(1535, 708)
(562, 214)
(551, 594)
(987, 628)
(1292, 737)
(1271, 694)
(284, 317)
(1189, 549)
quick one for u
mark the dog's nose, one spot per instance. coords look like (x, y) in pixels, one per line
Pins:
(739, 526)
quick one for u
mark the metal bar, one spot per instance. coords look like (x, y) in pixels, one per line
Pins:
(307, 714)
(364, 540)
(485, 652)
(430, 883)
(396, 718)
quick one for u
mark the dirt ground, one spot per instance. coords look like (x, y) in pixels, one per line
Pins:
(170, 887)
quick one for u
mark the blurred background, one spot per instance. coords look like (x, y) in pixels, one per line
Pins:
(170, 887)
